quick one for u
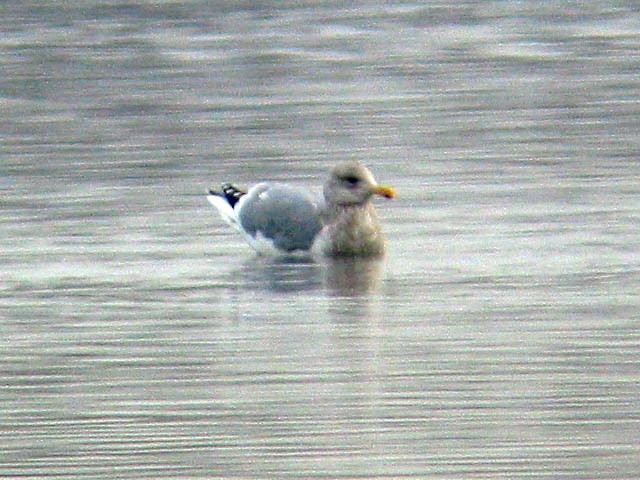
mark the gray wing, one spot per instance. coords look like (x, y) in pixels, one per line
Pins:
(284, 215)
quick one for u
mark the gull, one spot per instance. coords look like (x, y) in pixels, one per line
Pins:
(278, 218)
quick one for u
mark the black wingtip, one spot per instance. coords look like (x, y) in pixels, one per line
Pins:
(230, 193)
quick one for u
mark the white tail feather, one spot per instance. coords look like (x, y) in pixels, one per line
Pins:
(226, 211)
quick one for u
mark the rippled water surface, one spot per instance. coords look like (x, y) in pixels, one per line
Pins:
(141, 337)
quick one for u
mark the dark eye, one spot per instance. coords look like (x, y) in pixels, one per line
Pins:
(351, 180)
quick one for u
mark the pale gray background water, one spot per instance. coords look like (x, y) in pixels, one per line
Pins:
(141, 338)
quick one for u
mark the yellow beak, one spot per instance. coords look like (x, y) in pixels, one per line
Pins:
(383, 191)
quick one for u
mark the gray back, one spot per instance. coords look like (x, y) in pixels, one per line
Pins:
(282, 214)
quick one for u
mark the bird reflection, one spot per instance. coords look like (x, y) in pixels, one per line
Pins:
(341, 276)
(351, 276)
(282, 274)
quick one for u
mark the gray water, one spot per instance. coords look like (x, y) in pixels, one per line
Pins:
(141, 338)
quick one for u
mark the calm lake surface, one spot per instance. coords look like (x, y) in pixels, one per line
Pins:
(142, 338)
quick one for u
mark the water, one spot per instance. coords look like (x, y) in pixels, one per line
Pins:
(499, 338)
